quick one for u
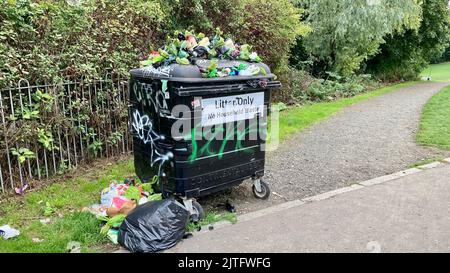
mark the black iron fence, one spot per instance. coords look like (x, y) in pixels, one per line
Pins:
(50, 128)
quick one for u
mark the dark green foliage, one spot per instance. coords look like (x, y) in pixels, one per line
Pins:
(206, 15)
(49, 40)
(445, 56)
(406, 54)
(270, 26)
(299, 57)
(302, 88)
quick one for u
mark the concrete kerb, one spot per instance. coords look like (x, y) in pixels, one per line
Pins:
(333, 193)
(390, 177)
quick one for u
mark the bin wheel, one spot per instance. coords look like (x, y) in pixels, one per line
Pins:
(265, 190)
(199, 213)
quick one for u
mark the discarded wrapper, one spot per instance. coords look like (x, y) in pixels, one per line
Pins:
(73, 247)
(7, 232)
(125, 209)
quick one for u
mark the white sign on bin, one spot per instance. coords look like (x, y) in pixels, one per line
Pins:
(232, 108)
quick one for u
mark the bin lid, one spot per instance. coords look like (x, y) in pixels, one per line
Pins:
(191, 73)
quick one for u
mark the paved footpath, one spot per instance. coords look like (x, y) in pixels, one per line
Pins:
(405, 212)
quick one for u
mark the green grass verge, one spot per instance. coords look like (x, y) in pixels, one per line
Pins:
(213, 217)
(434, 129)
(426, 161)
(296, 119)
(67, 223)
(438, 72)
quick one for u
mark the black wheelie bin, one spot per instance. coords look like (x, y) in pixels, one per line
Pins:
(199, 135)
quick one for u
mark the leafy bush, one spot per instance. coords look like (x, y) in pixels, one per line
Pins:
(300, 58)
(303, 88)
(334, 88)
(270, 26)
(50, 40)
(206, 15)
(294, 83)
(446, 56)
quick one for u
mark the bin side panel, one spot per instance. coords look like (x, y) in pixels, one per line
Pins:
(152, 149)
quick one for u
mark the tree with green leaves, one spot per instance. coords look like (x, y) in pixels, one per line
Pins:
(348, 32)
(270, 26)
(406, 53)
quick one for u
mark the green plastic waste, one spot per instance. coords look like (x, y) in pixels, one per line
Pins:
(186, 46)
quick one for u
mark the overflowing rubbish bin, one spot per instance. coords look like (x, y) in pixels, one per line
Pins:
(198, 135)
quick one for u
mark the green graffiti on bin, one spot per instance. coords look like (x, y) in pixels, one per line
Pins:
(206, 150)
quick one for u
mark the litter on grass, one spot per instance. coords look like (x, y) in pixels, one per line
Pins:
(37, 240)
(73, 247)
(21, 191)
(7, 232)
(45, 221)
(117, 201)
(113, 235)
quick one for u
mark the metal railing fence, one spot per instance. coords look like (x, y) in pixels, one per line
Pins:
(50, 128)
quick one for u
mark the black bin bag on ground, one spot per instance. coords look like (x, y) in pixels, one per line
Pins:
(154, 226)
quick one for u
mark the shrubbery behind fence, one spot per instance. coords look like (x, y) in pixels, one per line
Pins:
(48, 129)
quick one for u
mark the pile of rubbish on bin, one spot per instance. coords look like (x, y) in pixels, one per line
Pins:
(187, 48)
